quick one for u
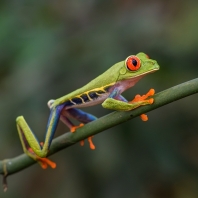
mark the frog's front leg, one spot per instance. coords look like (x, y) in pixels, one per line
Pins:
(137, 98)
(119, 103)
(77, 114)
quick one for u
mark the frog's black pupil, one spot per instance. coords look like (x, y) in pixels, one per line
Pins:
(134, 62)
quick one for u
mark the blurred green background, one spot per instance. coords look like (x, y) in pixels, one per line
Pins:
(50, 48)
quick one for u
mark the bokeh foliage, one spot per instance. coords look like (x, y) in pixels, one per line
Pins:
(49, 48)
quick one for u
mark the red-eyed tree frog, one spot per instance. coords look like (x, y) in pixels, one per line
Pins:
(106, 89)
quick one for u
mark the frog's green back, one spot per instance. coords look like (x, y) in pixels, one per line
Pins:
(109, 77)
(118, 72)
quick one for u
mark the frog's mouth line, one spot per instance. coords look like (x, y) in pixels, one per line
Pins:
(148, 72)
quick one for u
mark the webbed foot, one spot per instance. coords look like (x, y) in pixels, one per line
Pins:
(143, 98)
(91, 145)
(43, 162)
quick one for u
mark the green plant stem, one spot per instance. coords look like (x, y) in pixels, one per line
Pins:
(13, 165)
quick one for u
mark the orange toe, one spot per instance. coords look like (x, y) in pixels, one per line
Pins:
(92, 146)
(151, 100)
(151, 92)
(45, 162)
(73, 128)
(82, 142)
(144, 117)
(136, 98)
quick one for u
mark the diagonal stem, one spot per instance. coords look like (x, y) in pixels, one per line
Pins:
(13, 165)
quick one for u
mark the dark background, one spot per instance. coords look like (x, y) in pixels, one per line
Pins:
(50, 48)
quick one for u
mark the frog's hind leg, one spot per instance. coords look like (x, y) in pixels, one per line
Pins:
(77, 114)
(44, 162)
(82, 117)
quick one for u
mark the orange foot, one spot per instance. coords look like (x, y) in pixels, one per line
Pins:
(44, 162)
(73, 129)
(91, 145)
(139, 98)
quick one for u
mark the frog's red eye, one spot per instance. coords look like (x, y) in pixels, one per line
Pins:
(133, 63)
